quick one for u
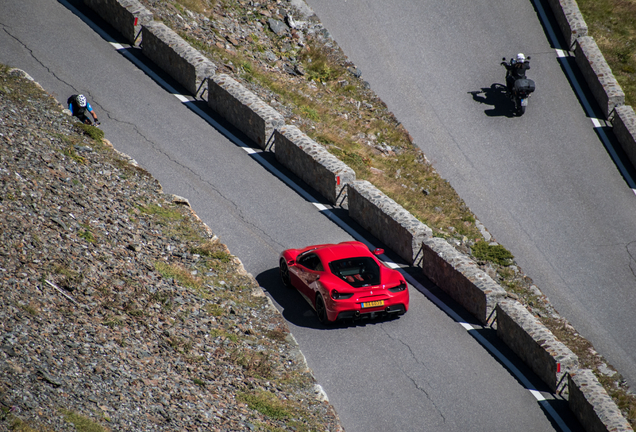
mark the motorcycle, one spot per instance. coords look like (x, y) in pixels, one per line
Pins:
(519, 88)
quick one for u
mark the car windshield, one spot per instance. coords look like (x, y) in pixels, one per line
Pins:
(357, 272)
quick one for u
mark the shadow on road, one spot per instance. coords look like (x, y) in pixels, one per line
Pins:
(495, 95)
(295, 308)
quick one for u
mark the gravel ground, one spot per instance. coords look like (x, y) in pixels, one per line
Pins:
(119, 309)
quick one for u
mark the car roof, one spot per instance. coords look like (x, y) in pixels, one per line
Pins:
(334, 252)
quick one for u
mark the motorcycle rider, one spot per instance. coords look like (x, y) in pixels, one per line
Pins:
(516, 69)
(79, 106)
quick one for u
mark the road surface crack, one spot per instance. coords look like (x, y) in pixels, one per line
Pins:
(416, 385)
(631, 251)
(6, 28)
(234, 208)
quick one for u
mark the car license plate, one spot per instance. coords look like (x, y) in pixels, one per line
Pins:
(524, 102)
(373, 304)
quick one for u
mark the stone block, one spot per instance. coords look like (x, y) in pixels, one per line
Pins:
(176, 57)
(598, 75)
(313, 164)
(624, 123)
(242, 108)
(461, 278)
(592, 406)
(126, 16)
(548, 357)
(569, 19)
(387, 220)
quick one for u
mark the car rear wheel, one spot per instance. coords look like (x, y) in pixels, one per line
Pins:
(321, 310)
(284, 273)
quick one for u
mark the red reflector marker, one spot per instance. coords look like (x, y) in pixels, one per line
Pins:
(136, 20)
(338, 180)
(558, 367)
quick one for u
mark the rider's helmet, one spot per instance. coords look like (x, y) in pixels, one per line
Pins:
(521, 58)
(81, 100)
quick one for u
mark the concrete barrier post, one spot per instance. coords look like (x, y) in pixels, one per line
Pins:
(598, 75)
(126, 16)
(624, 123)
(242, 108)
(313, 164)
(592, 406)
(569, 19)
(549, 358)
(461, 278)
(175, 56)
(387, 220)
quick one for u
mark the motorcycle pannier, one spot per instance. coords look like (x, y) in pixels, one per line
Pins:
(524, 85)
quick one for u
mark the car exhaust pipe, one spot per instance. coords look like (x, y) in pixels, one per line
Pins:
(357, 314)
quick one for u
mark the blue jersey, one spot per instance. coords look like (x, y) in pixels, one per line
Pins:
(88, 107)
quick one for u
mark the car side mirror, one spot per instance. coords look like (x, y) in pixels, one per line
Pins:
(291, 262)
(378, 251)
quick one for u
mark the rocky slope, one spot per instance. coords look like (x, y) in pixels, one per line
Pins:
(119, 310)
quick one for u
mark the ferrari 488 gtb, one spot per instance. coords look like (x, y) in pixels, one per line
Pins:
(344, 281)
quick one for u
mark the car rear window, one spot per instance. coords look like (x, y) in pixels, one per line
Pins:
(357, 272)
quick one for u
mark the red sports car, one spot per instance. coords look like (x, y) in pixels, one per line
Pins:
(344, 281)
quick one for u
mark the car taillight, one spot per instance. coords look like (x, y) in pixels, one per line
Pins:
(400, 287)
(340, 296)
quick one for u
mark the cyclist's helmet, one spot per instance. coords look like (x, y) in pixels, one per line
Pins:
(81, 100)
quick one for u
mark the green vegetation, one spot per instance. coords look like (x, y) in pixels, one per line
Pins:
(266, 403)
(253, 363)
(180, 274)
(611, 23)
(494, 253)
(82, 423)
(92, 131)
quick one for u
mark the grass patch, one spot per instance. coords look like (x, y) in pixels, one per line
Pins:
(87, 235)
(200, 6)
(82, 423)
(165, 214)
(493, 253)
(267, 404)
(253, 363)
(16, 424)
(70, 152)
(611, 23)
(179, 274)
(94, 132)
(214, 250)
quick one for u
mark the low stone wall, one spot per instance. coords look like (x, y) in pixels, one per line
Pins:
(550, 359)
(175, 56)
(569, 19)
(598, 75)
(452, 271)
(387, 220)
(458, 276)
(126, 16)
(246, 111)
(592, 406)
(313, 164)
(624, 124)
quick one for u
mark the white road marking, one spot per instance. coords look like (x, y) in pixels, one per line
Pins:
(586, 105)
(323, 209)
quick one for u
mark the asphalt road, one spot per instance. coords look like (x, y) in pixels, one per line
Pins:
(422, 372)
(543, 184)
